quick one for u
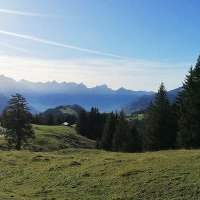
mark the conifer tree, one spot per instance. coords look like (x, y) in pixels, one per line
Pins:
(82, 125)
(94, 131)
(120, 134)
(108, 132)
(17, 121)
(189, 110)
(159, 132)
(133, 141)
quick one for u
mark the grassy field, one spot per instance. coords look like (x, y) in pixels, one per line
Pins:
(65, 169)
(76, 174)
(51, 138)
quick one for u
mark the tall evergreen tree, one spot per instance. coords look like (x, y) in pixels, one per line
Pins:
(120, 134)
(189, 110)
(108, 132)
(159, 132)
(17, 121)
(82, 125)
(94, 124)
(133, 141)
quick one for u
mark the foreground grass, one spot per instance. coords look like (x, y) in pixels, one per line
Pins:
(96, 175)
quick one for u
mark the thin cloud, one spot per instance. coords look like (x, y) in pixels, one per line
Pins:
(57, 44)
(22, 13)
(14, 47)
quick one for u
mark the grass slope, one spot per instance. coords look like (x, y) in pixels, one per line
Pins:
(51, 138)
(96, 175)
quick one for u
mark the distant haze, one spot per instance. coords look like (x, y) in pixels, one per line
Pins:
(132, 74)
(42, 96)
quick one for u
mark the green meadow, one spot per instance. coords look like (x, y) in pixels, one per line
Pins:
(73, 172)
(52, 138)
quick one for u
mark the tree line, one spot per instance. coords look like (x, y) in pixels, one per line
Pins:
(53, 119)
(111, 130)
(165, 125)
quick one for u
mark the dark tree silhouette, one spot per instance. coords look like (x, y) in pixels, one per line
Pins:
(159, 123)
(108, 132)
(189, 110)
(16, 119)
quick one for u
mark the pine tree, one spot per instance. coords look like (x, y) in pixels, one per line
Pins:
(82, 125)
(189, 110)
(108, 132)
(159, 132)
(133, 141)
(17, 121)
(96, 121)
(93, 121)
(120, 134)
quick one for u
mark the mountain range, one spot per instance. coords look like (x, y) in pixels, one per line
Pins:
(42, 96)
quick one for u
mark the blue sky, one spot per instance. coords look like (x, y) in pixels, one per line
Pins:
(131, 43)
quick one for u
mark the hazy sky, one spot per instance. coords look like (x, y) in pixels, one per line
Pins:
(131, 43)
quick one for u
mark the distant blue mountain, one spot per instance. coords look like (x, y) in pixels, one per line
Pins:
(42, 96)
(143, 102)
(3, 102)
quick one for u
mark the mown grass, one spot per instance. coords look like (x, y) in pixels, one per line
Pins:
(77, 174)
(51, 138)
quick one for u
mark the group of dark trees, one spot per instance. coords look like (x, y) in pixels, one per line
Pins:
(166, 125)
(120, 135)
(111, 131)
(91, 124)
(52, 119)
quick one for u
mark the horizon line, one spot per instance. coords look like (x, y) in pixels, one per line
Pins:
(80, 83)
